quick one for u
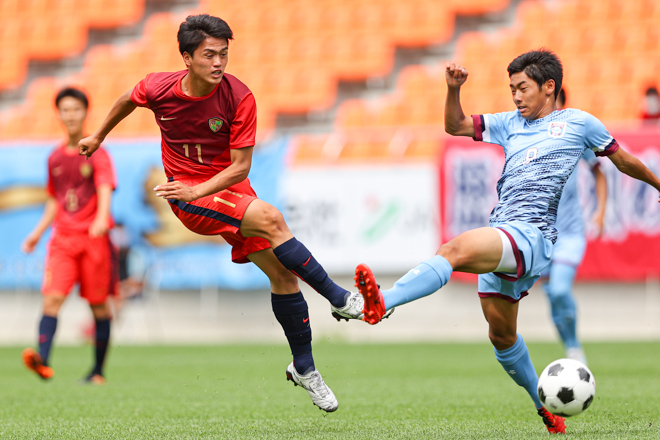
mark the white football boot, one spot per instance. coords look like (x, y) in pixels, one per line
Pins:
(577, 354)
(353, 308)
(322, 396)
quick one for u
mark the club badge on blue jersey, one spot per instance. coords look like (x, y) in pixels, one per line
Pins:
(557, 129)
(215, 124)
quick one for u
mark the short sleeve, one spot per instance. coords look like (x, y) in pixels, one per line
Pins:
(491, 128)
(139, 93)
(597, 138)
(104, 172)
(244, 126)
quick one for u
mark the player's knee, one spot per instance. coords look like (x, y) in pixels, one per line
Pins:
(453, 254)
(52, 304)
(501, 339)
(272, 220)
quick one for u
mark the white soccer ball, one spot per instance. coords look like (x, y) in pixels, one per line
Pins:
(566, 387)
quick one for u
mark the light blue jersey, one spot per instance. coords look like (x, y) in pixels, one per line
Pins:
(569, 213)
(540, 156)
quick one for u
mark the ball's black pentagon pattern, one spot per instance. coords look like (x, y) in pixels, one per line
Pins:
(566, 395)
(584, 374)
(587, 402)
(541, 395)
(555, 369)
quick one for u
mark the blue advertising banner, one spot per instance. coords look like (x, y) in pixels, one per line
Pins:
(171, 257)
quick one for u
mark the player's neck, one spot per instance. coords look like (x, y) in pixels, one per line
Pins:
(193, 86)
(548, 108)
(74, 138)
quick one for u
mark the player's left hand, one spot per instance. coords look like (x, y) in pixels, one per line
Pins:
(176, 191)
(99, 227)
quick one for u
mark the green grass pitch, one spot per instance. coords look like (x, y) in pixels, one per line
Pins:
(404, 391)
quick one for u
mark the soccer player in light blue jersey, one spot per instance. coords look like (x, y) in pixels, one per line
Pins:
(542, 146)
(569, 249)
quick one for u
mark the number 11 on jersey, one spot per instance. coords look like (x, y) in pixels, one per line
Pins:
(199, 151)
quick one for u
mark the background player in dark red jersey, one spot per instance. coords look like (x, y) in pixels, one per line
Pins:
(208, 124)
(79, 250)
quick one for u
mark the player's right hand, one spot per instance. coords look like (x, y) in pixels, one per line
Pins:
(30, 243)
(88, 145)
(456, 75)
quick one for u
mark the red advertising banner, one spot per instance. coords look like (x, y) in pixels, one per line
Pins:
(628, 249)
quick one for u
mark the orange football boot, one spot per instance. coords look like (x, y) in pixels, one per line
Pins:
(374, 305)
(95, 379)
(32, 361)
(555, 424)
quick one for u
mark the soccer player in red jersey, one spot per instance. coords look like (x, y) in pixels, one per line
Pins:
(79, 250)
(207, 120)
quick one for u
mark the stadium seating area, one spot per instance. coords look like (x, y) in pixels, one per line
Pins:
(293, 53)
(308, 40)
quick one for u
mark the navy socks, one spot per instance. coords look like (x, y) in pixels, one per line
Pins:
(102, 340)
(516, 362)
(47, 328)
(295, 257)
(291, 312)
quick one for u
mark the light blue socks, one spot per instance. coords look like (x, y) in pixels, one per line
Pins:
(421, 281)
(562, 303)
(516, 362)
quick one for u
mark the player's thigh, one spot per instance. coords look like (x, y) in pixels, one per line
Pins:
(97, 280)
(282, 281)
(475, 251)
(562, 277)
(502, 317)
(61, 270)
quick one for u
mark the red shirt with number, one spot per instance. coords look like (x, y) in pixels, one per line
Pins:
(72, 181)
(198, 134)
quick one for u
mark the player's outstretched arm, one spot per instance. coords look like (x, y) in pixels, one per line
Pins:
(632, 166)
(121, 108)
(456, 123)
(46, 219)
(241, 161)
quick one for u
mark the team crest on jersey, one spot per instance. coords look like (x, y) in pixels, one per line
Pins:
(85, 170)
(557, 129)
(215, 124)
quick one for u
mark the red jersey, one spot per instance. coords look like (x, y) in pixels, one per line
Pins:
(198, 133)
(72, 181)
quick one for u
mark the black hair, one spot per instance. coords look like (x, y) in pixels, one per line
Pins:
(540, 65)
(198, 28)
(651, 91)
(73, 93)
(562, 97)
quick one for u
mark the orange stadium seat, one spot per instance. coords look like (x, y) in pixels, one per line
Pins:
(106, 14)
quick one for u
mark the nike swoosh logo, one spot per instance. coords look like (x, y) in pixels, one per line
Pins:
(306, 319)
(163, 118)
(305, 263)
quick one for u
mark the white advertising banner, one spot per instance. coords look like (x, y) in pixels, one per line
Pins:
(384, 216)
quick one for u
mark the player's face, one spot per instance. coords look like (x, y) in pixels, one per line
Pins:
(532, 102)
(72, 114)
(209, 60)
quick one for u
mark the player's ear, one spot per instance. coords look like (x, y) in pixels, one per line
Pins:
(187, 59)
(550, 87)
